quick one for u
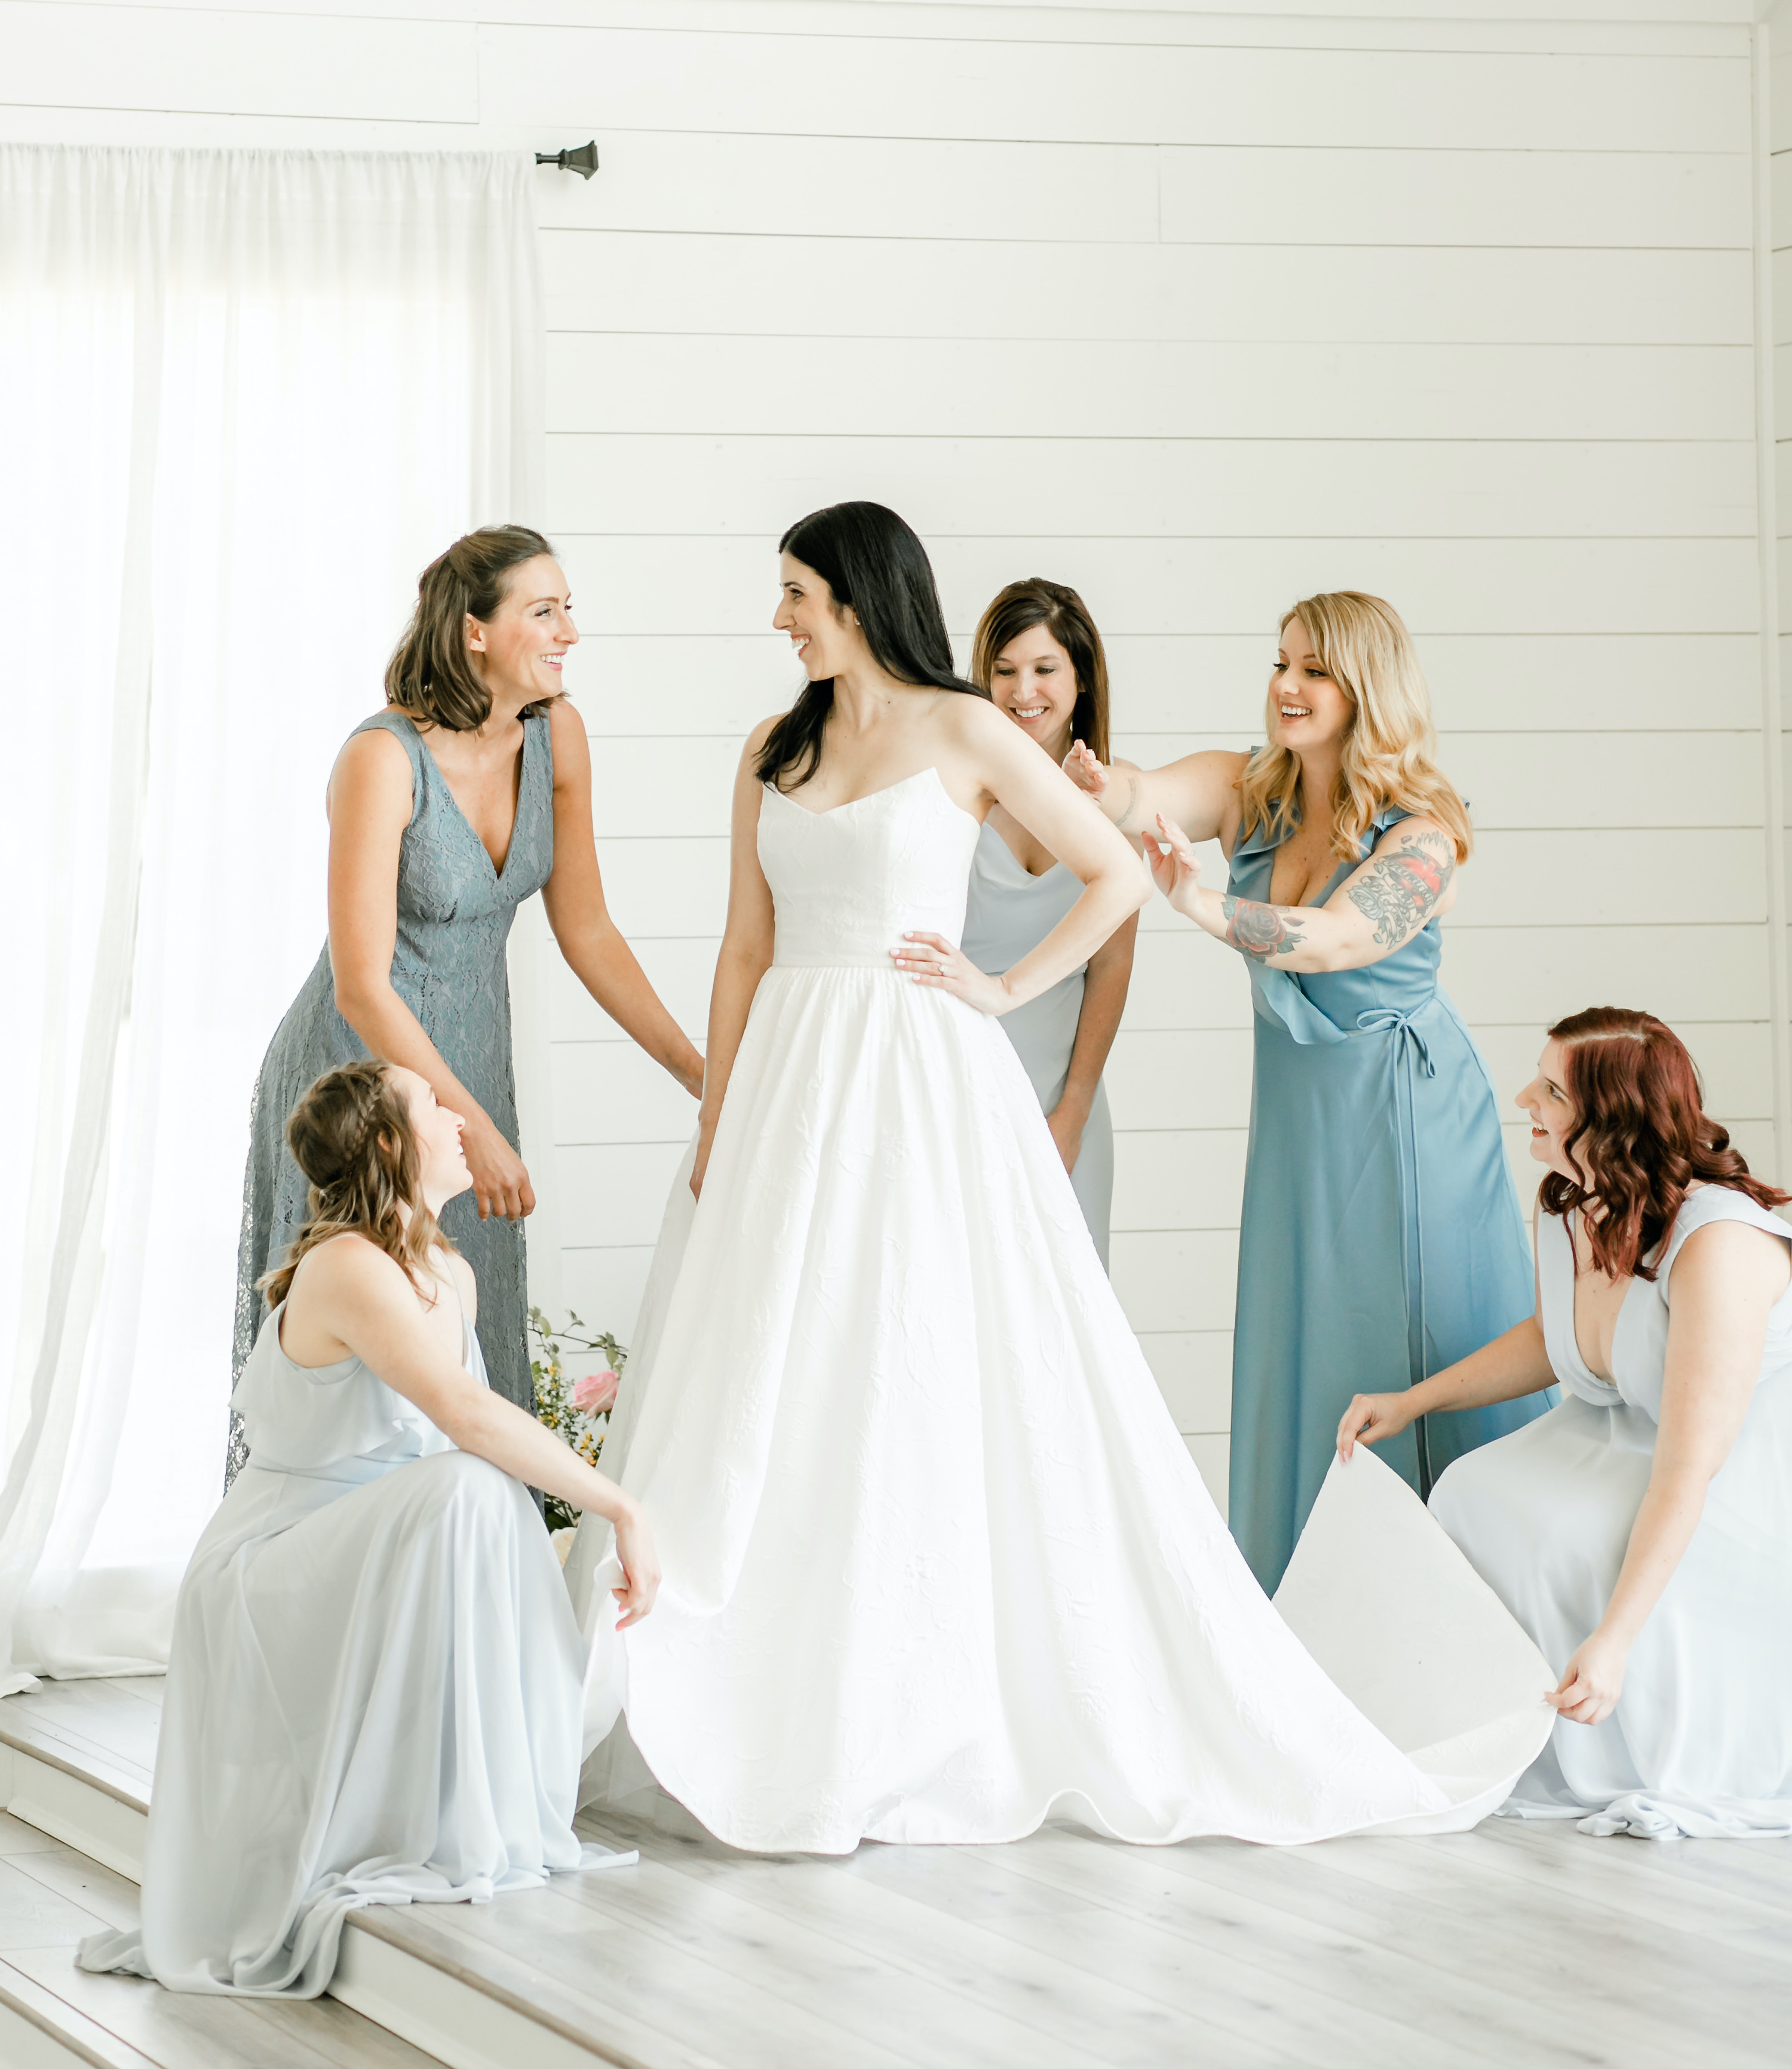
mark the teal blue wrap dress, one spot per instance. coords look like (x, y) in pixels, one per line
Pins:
(1381, 1237)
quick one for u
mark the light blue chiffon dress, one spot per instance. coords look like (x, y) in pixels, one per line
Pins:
(1007, 913)
(1700, 1744)
(1381, 1237)
(374, 1695)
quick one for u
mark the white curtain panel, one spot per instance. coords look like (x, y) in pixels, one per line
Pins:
(244, 396)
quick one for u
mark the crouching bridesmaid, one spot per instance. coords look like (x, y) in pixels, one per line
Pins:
(1640, 1532)
(376, 1689)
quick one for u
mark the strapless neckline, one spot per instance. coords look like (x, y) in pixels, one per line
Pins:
(889, 790)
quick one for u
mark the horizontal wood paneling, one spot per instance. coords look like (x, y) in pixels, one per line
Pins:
(1092, 92)
(1281, 388)
(188, 59)
(1057, 489)
(858, 187)
(1177, 1281)
(1194, 1369)
(623, 280)
(1299, 197)
(1159, 587)
(649, 683)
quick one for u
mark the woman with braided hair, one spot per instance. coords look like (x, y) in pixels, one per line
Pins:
(469, 793)
(376, 1688)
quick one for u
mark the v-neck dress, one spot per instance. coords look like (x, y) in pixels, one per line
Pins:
(1700, 1743)
(1008, 911)
(454, 913)
(1381, 1236)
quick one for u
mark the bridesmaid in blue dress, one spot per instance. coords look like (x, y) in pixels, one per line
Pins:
(1039, 657)
(469, 793)
(1380, 1238)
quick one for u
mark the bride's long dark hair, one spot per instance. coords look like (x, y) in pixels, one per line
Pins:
(872, 561)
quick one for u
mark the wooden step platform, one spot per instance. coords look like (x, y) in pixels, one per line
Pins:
(1515, 1944)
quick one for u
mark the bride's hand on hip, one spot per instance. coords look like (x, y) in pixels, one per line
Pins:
(931, 959)
(500, 1179)
(1371, 1417)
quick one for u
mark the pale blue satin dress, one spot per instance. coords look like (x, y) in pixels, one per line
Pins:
(1700, 1744)
(1007, 914)
(1380, 1238)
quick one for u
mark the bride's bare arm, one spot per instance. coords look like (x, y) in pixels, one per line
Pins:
(366, 1299)
(746, 950)
(1012, 769)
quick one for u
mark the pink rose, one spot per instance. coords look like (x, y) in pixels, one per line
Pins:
(595, 1394)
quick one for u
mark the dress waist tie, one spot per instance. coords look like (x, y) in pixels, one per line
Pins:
(1409, 1055)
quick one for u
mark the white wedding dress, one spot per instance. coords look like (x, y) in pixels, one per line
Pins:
(936, 1562)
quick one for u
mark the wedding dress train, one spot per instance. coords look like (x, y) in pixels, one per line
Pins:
(936, 1561)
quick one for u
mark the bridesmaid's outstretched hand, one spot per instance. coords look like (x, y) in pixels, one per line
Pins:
(1175, 867)
(1085, 772)
(1371, 1417)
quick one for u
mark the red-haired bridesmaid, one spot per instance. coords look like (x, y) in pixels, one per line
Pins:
(1640, 1531)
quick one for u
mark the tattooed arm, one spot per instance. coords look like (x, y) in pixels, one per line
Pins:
(1409, 879)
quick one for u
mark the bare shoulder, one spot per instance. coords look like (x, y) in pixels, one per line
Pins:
(572, 749)
(1737, 1259)
(971, 721)
(372, 767)
(760, 733)
(371, 779)
(350, 1267)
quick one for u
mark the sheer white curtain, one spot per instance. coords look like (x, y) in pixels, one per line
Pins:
(244, 396)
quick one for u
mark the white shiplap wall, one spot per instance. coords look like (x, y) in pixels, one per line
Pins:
(1199, 312)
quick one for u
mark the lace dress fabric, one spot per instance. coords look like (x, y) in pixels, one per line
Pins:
(455, 915)
(936, 1558)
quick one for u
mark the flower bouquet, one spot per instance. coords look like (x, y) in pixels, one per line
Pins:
(578, 1412)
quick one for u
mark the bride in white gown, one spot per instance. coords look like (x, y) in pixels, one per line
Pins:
(936, 1562)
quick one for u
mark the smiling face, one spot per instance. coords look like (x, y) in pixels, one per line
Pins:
(1307, 711)
(825, 635)
(437, 1131)
(521, 646)
(1033, 680)
(1545, 1099)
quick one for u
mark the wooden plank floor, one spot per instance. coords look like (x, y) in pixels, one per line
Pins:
(1515, 1944)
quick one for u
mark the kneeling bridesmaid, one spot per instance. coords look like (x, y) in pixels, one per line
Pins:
(1640, 1531)
(375, 1692)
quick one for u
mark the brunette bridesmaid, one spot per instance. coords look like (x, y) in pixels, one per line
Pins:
(469, 793)
(1039, 656)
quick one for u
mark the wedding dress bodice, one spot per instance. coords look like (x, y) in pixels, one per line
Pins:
(848, 883)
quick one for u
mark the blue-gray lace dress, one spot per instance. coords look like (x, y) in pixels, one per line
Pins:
(454, 911)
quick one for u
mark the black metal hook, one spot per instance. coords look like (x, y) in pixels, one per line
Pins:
(583, 161)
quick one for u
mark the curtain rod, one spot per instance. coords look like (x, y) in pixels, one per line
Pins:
(583, 160)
